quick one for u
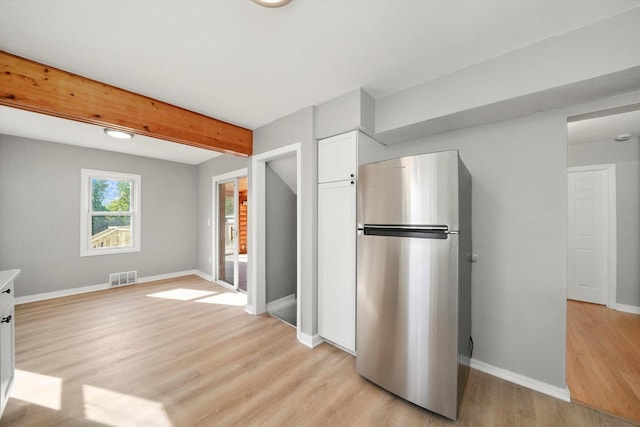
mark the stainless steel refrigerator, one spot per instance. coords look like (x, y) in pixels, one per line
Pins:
(414, 278)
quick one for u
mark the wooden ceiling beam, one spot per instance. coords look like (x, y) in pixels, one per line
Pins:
(36, 87)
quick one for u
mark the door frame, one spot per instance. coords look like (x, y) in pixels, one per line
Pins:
(215, 224)
(256, 288)
(611, 228)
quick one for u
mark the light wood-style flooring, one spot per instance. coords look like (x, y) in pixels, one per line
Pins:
(603, 358)
(180, 353)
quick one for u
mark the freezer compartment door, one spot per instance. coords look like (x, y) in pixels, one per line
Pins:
(407, 318)
(410, 190)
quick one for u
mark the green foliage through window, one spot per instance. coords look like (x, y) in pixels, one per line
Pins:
(110, 196)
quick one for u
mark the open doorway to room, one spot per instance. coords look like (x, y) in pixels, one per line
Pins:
(275, 234)
(230, 230)
(281, 238)
(603, 289)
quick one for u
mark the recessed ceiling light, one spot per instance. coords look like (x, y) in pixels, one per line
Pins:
(623, 137)
(118, 134)
(271, 3)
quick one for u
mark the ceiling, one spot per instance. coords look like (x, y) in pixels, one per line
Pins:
(606, 128)
(48, 128)
(249, 65)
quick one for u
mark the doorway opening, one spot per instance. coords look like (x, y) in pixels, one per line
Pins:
(592, 234)
(281, 239)
(603, 286)
(230, 230)
(275, 249)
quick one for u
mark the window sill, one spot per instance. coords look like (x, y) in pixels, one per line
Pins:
(112, 251)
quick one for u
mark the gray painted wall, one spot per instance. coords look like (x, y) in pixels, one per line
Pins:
(626, 157)
(40, 215)
(281, 250)
(299, 127)
(206, 171)
(518, 169)
(353, 110)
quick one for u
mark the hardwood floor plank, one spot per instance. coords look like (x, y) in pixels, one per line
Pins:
(603, 359)
(128, 357)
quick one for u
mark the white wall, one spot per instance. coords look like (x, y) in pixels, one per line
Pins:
(40, 215)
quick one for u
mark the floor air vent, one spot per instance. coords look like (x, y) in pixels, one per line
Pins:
(122, 279)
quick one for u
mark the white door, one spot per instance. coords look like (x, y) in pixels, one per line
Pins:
(337, 263)
(588, 228)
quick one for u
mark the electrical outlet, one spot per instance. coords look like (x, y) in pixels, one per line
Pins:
(209, 260)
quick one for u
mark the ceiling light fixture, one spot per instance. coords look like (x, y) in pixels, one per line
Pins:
(118, 134)
(271, 3)
(623, 137)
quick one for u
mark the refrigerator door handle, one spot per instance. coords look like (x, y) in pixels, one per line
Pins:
(419, 231)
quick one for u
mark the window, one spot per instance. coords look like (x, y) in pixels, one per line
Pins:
(110, 213)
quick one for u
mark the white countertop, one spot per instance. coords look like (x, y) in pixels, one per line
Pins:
(7, 276)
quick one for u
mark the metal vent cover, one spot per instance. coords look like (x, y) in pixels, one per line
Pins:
(122, 279)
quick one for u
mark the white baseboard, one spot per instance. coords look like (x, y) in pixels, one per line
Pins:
(250, 309)
(628, 308)
(57, 294)
(204, 275)
(101, 287)
(542, 387)
(281, 303)
(166, 276)
(310, 341)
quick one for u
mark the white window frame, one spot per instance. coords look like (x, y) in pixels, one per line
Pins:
(85, 211)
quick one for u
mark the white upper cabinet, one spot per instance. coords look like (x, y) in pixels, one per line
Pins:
(338, 158)
(340, 155)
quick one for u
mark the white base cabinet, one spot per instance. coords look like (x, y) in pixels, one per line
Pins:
(338, 161)
(7, 335)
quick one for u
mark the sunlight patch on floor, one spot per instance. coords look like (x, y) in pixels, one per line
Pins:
(122, 410)
(182, 294)
(238, 299)
(42, 390)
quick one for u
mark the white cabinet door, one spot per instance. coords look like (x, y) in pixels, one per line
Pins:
(6, 355)
(338, 158)
(337, 263)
